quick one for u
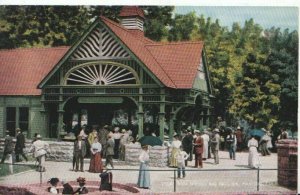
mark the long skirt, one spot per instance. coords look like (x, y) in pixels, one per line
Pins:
(253, 161)
(144, 176)
(96, 163)
(173, 161)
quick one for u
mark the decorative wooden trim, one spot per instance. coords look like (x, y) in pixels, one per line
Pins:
(101, 74)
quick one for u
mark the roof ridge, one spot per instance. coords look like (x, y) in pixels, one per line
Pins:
(123, 28)
(174, 43)
(161, 66)
(32, 48)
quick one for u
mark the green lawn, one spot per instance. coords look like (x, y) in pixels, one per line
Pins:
(4, 169)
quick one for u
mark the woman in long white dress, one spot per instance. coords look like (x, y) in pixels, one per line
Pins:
(253, 161)
(176, 143)
(205, 137)
(144, 174)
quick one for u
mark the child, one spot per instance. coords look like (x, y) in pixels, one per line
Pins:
(181, 157)
(82, 189)
(53, 189)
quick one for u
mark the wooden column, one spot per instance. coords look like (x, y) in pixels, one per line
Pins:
(60, 130)
(172, 123)
(140, 115)
(162, 114)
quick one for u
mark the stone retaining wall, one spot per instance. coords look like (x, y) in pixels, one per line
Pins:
(63, 151)
(59, 151)
(287, 159)
(158, 155)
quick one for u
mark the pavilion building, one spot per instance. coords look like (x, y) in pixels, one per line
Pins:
(113, 75)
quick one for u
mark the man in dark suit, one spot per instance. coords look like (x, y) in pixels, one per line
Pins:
(187, 145)
(20, 144)
(79, 152)
(8, 146)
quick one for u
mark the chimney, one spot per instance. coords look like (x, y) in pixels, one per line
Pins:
(132, 18)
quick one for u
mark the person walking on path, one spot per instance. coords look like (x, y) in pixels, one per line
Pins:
(198, 148)
(8, 147)
(175, 145)
(231, 142)
(215, 145)
(20, 145)
(181, 157)
(144, 174)
(239, 138)
(79, 152)
(205, 137)
(110, 144)
(40, 149)
(96, 161)
(253, 161)
(263, 142)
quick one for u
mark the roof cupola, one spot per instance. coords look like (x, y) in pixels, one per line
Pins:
(132, 18)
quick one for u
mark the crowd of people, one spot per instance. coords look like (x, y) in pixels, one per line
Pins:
(110, 144)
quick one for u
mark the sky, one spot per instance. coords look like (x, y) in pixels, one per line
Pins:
(267, 13)
(282, 17)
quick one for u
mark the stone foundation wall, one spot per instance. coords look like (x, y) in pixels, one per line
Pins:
(158, 155)
(287, 159)
(59, 151)
(63, 151)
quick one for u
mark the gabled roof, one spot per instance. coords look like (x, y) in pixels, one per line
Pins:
(21, 70)
(174, 64)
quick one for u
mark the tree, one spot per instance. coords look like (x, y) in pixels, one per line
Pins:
(256, 97)
(39, 26)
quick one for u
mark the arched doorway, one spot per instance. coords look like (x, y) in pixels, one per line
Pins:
(95, 112)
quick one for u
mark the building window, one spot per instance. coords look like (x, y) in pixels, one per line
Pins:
(17, 117)
(11, 120)
(23, 118)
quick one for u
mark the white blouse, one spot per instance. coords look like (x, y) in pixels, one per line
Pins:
(252, 143)
(176, 144)
(144, 156)
(96, 147)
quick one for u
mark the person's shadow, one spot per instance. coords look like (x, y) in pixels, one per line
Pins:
(242, 166)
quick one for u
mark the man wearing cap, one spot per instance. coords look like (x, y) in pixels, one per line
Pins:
(215, 145)
(198, 148)
(40, 149)
(231, 142)
(20, 145)
(8, 147)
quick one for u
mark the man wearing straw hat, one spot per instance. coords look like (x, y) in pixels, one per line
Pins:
(40, 149)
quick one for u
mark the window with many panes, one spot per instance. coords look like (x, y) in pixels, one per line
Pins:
(11, 119)
(17, 117)
(23, 118)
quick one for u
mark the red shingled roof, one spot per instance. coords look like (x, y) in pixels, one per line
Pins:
(21, 70)
(128, 11)
(174, 64)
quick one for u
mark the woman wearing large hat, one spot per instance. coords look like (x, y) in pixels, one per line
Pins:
(144, 174)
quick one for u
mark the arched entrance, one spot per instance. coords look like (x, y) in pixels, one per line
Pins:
(94, 112)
